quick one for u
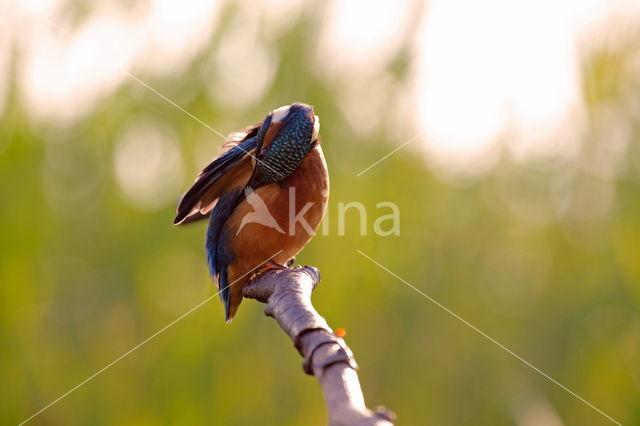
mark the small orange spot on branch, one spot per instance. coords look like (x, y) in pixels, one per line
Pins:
(340, 332)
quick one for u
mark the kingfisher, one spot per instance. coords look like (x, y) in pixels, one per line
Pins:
(264, 196)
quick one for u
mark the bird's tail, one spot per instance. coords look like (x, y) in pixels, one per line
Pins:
(225, 292)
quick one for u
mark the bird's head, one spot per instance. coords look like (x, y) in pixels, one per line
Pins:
(285, 136)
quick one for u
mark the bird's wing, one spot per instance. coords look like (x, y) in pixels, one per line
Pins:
(229, 171)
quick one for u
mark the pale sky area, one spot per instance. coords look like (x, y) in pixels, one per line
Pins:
(484, 69)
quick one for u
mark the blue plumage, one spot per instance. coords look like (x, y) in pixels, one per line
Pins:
(218, 256)
(272, 157)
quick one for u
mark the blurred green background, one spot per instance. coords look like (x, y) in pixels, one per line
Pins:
(540, 252)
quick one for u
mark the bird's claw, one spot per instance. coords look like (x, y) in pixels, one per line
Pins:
(271, 265)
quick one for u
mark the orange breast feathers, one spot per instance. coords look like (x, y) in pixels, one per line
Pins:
(277, 220)
(265, 221)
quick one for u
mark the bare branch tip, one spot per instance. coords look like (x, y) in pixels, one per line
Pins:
(312, 272)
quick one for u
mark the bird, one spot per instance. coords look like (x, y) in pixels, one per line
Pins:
(264, 198)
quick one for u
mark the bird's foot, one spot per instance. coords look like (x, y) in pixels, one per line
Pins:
(271, 265)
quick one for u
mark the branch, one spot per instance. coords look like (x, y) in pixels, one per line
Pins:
(287, 294)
